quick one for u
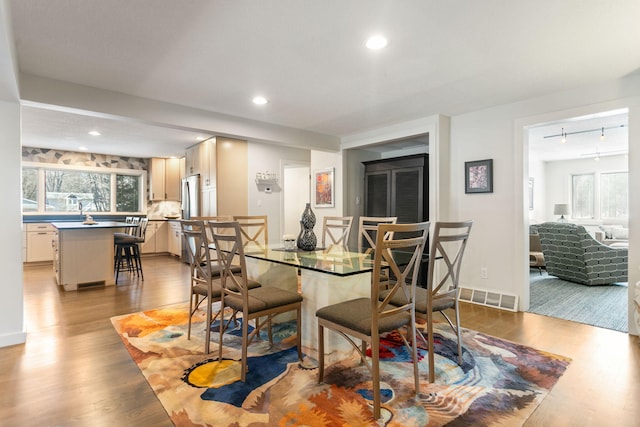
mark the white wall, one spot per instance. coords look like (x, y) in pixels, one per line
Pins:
(12, 328)
(324, 160)
(499, 231)
(262, 157)
(537, 172)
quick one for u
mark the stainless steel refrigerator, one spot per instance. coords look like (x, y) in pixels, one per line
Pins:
(191, 204)
(191, 197)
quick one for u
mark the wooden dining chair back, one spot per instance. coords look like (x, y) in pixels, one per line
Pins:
(255, 303)
(365, 319)
(368, 230)
(255, 231)
(367, 235)
(202, 283)
(335, 231)
(208, 219)
(448, 244)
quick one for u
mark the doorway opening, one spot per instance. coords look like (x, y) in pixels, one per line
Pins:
(580, 165)
(296, 192)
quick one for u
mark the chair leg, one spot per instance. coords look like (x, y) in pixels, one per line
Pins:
(299, 333)
(432, 371)
(136, 251)
(375, 372)
(414, 354)
(207, 333)
(320, 353)
(191, 314)
(245, 344)
(459, 334)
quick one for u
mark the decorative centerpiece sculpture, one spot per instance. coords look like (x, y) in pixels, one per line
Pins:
(307, 239)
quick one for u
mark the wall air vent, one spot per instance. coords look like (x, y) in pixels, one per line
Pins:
(489, 299)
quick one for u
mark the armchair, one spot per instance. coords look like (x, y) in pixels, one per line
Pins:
(572, 254)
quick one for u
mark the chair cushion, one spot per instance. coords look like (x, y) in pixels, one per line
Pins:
(440, 303)
(263, 298)
(356, 315)
(216, 268)
(125, 239)
(216, 289)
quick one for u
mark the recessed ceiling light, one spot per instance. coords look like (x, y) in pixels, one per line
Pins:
(260, 100)
(376, 42)
(200, 138)
(82, 148)
(95, 133)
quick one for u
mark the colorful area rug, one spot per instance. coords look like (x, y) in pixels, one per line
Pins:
(499, 383)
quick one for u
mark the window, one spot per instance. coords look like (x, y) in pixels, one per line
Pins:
(72, 189)
(29, 190)
(582, 196)
(614, 195)
(127, 193)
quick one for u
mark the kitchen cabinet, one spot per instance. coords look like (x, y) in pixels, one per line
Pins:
(209, 202)
(192, 160)
(398, 187)
(175, 238)
(39, 242)
(84, 253)
(164, 179)
(155, 240)
(201, 160)
(208, 164)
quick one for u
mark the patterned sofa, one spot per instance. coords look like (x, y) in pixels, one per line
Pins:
(572, 254)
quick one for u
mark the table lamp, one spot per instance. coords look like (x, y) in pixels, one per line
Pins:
(562, 210)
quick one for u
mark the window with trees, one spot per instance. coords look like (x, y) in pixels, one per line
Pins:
(58, 190)
(614, 195)
(582, 206)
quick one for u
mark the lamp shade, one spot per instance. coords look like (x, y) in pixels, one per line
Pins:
(561, 209)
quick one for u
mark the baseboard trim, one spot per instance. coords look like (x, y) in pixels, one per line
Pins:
(7, 340)
(489, 298)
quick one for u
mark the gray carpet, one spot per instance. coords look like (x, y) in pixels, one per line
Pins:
(602, 306)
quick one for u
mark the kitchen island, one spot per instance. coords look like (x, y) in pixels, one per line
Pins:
(83, 253)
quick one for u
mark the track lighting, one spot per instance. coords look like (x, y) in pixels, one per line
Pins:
(563, 134)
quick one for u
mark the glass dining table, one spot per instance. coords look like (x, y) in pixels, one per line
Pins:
(324, 276)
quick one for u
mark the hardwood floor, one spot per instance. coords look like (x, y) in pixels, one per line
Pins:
(74, 370)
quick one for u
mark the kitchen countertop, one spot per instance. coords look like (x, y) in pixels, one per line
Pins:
(79, 225)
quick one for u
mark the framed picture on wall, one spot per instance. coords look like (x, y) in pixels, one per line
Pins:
(324, 188)
(478, 176)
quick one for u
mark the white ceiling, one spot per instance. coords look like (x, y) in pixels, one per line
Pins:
(307, 57)
(583, 137)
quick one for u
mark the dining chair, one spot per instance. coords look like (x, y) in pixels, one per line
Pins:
(254, 304)
(202, 285)
(448, 243)
(367, 234)
(365, 319)
(335, 231)
(254, 230)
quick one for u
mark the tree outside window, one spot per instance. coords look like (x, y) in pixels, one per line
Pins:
(127, 193)
(582, 196)
(614, 195)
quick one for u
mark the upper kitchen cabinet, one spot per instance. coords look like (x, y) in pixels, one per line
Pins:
(164, 181)
(208, 163)
(201, 160)
(192, 160)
